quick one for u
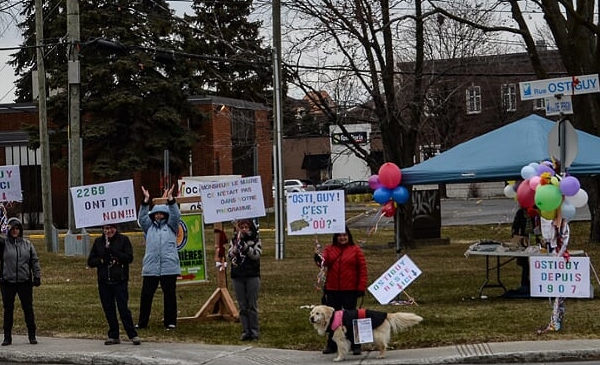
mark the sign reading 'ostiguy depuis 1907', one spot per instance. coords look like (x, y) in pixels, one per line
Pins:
(553, 276)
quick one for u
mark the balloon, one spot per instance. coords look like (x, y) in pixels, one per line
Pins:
(554, 181)
(548, 214)
(578, 200)
(548, 197)
(388, 209)
(525, 196)
(532, 212)
(400, 195)
(567, 210)
(527, 172)
(382, 195)
(534, 165)
(374, 182)
(545, 168)
(569, 185)
(509, 191)
(390, 175)
(534, 182)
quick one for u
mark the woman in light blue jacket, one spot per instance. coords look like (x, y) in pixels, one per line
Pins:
(161, 260)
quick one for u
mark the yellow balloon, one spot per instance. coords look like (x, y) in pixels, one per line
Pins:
(548, 214)
(554, 181)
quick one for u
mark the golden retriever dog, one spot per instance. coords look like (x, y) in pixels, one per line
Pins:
(325, 319)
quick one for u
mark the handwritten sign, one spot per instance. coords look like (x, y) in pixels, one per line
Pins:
(100, 204)
(553, 276)
(10, 184)
(394, 280)
(232, 199)
(314, 212)
(189, 186)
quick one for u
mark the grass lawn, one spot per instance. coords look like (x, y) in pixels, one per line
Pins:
(67, 303)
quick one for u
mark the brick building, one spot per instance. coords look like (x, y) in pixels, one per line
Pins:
(235, 140)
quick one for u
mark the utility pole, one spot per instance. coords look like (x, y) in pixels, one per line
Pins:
(51, 240)
(277, 140)
(75, 243)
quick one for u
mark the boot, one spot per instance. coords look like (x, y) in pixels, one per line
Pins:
(7, 338)
(31, 335)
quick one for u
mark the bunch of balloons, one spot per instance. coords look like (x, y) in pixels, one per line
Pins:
(387, 189)
(546, 190)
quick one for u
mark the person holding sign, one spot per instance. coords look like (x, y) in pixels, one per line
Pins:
(346, 278)
(111, 255)
(161, 259)
(244, 256)
(556, 233)
(20, 272)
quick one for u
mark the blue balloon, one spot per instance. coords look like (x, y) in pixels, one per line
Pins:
(382, 195)
(400, 195)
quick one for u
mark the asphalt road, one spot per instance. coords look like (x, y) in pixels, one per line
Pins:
(463, 212)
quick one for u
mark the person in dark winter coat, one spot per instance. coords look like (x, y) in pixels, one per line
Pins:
(161, 259)
(111, 255)
(20, 273)
(244, 256)
(346, 278)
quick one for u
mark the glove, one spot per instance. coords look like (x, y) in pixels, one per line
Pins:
(37, 282)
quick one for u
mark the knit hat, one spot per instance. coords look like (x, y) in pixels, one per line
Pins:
(15, 222)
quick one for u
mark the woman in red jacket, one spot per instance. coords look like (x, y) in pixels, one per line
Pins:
(346, 277)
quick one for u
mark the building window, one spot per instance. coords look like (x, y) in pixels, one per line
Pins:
(509, 97)
(539, 104)
(474, 100)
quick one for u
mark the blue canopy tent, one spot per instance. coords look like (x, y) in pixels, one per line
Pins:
(500, 155)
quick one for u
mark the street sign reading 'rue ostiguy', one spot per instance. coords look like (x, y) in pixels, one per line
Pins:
(575, 85)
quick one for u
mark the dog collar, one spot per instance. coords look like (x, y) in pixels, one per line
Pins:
(336, 321)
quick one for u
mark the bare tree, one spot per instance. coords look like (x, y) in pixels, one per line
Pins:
(575, 29)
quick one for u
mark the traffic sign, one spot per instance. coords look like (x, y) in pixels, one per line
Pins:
(574, 85)
(558, 106)
(563, 142)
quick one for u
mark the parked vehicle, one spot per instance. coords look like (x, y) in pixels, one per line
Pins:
(333, 184)
(296, 185)
(358, 187)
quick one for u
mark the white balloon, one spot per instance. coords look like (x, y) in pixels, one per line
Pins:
(527, 172)
(578, 200)
(567, 210)
(509, 191)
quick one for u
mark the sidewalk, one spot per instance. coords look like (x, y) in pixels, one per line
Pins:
(81, 351)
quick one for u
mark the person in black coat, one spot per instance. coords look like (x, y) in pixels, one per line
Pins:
(111, 255)
(20, 272)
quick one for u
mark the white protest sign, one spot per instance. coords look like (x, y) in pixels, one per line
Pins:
(10, 184)
(190, 186)
(100, 204)
(553, 276)
(394, 280)
(315, 212)
(232, 199)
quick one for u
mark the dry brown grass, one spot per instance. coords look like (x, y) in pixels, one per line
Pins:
(67, 303)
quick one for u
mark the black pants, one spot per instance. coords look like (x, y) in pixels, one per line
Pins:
(25, 292)
(340, 299)
(115, 296)
(168, 284)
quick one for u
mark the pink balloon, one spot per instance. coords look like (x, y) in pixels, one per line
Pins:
(390, 175)
(374, 182)
(534, 182)
(525, 195)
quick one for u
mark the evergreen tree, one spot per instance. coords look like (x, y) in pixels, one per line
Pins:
(133, 91)
(237, 66)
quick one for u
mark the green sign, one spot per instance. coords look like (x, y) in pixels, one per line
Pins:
(190, 245)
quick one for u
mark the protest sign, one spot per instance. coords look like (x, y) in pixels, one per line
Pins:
(190, 246)
(230, 200)
(552, 276)
(316, 212)
(189, 186)
(100, 204)
(394, 280)
(10, 184)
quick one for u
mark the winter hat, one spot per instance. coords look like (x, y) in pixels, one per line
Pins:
(15, 222)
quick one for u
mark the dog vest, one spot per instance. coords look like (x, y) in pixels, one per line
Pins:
(345, 317)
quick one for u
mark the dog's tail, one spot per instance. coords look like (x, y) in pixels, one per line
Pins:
(401, 321)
